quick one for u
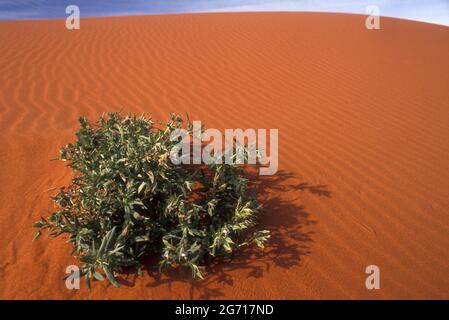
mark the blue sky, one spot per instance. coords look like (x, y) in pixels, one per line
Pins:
(433, 11)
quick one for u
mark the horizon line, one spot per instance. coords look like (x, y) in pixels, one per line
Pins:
(142, 14)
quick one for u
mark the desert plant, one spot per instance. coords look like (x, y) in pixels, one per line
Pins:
(128, 200)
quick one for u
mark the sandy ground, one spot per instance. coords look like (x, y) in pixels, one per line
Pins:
(363, 119)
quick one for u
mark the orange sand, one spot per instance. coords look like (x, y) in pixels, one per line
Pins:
(363, 120)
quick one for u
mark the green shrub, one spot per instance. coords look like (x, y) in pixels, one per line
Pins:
(127, 200)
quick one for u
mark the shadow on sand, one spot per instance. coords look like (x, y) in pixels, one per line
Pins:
(288, 244)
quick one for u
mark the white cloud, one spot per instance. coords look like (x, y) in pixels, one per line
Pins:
(432, 11)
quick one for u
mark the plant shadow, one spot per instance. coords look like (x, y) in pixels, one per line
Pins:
(282, 214)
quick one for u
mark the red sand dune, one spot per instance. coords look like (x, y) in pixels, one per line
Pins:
(363, 119)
